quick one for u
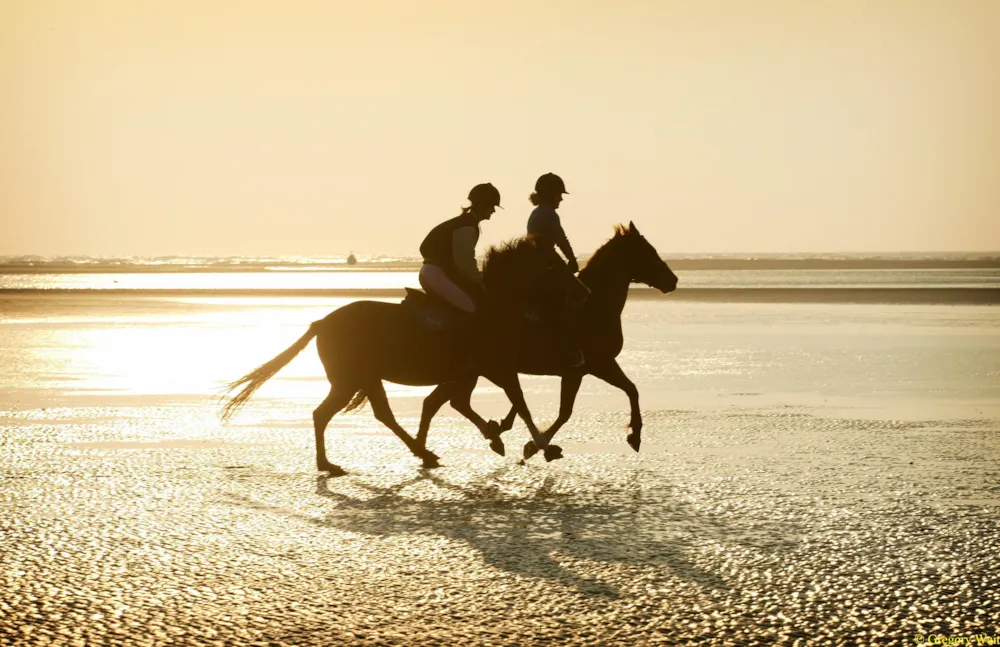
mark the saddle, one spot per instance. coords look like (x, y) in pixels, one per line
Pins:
(434, 313)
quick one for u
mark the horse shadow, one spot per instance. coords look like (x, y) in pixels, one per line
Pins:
(544, 533)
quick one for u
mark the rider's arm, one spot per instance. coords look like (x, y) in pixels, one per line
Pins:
(568, 253)
(463, 249)
(559, 236)
(545, 221)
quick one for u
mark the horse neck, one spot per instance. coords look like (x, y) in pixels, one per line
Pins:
(608, 278)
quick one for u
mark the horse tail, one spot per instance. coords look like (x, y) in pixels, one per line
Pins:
(356, 402)
(256, 378)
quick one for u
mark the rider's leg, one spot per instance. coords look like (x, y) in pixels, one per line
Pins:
(433, 279)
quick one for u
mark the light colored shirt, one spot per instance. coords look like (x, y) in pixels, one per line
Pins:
(463, 249)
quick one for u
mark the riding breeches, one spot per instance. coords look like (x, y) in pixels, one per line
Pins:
(433, 279)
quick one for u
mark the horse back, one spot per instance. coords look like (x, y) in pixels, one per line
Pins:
(378, 340)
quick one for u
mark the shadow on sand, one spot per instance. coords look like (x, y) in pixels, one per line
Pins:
(541, 533)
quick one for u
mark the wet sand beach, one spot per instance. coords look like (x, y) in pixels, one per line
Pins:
(811, 473)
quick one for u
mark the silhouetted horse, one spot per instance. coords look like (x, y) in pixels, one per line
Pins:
(366, 342)
(626, 258)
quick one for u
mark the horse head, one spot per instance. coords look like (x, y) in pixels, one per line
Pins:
(520, 269)
(644, 262)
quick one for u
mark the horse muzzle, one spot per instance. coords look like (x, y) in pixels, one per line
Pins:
(668, 285)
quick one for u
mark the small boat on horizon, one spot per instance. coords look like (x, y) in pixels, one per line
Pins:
(351, 259)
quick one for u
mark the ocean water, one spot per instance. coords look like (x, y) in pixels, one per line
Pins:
(812, 470)
(68, 345)
(332, 276)
(393, 279)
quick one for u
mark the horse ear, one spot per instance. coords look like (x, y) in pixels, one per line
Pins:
(632, 228)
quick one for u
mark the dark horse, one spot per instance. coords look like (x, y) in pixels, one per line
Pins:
(625, 259)
(366, 342)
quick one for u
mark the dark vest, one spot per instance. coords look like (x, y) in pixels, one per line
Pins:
(437, 246)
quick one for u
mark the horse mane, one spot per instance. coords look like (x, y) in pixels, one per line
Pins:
(606, 250)
(501, 260)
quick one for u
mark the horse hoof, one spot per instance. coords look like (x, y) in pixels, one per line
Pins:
(552, 452)
(430, 459)
(333, 470)
(530, 449)
(497, 446)
(634, 440)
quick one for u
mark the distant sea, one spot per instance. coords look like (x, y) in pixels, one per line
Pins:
(911, 278)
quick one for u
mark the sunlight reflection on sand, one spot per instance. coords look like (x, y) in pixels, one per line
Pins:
(798, 460)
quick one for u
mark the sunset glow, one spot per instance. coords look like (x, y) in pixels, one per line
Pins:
(311, 127)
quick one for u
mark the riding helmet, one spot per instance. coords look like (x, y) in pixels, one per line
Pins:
(550, 183)
(485, 193)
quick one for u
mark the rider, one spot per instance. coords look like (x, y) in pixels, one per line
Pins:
(449, 252)
(544, 223)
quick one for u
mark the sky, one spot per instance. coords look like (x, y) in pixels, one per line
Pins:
(318, 127)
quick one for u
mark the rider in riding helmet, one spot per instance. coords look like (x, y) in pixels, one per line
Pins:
(449, 252)
(544, 223)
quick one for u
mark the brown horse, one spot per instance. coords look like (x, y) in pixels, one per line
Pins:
(366, 342)
(625, 259)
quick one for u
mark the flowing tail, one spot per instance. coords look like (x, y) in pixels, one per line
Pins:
(356, 402)
(256, 378)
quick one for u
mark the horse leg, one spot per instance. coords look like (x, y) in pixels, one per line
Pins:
(460, 396)
(337, 399)
(383, 413)
(569, 388)
(511, 385)
(432, 404)
(461, 401)
(567, 396)
(612, 374)
(508, 423)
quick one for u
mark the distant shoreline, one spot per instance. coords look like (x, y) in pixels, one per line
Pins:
(680, 264)
(876, 295)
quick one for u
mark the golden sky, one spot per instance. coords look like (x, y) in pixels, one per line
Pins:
(316, 127)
